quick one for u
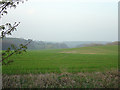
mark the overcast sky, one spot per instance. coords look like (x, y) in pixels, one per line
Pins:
(66, 20)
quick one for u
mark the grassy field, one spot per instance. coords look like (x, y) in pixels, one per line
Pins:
(85, 59)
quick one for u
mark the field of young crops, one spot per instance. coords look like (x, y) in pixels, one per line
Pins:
(85, 59)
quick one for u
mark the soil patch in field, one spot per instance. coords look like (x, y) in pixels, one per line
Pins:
(76, 52)
(69, 52)
(88, 53)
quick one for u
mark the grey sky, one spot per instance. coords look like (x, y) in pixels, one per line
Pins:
(66, 20)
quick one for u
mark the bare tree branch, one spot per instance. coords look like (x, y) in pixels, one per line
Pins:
(14, 52)
(4, 6)
(9, 30)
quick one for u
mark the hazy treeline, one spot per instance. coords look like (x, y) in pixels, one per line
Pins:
(6, 42)
(35, 45)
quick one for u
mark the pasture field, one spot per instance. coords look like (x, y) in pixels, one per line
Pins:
(75, 60)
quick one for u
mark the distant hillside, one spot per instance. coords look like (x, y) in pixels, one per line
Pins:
(91, 44)
(6, 42)
(104, 49)
(114, 43)
(74, 44)
(98, 44)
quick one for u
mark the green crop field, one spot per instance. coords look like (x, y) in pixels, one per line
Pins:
(85, 59)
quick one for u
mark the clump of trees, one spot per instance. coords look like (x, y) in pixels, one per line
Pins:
(7, 29)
